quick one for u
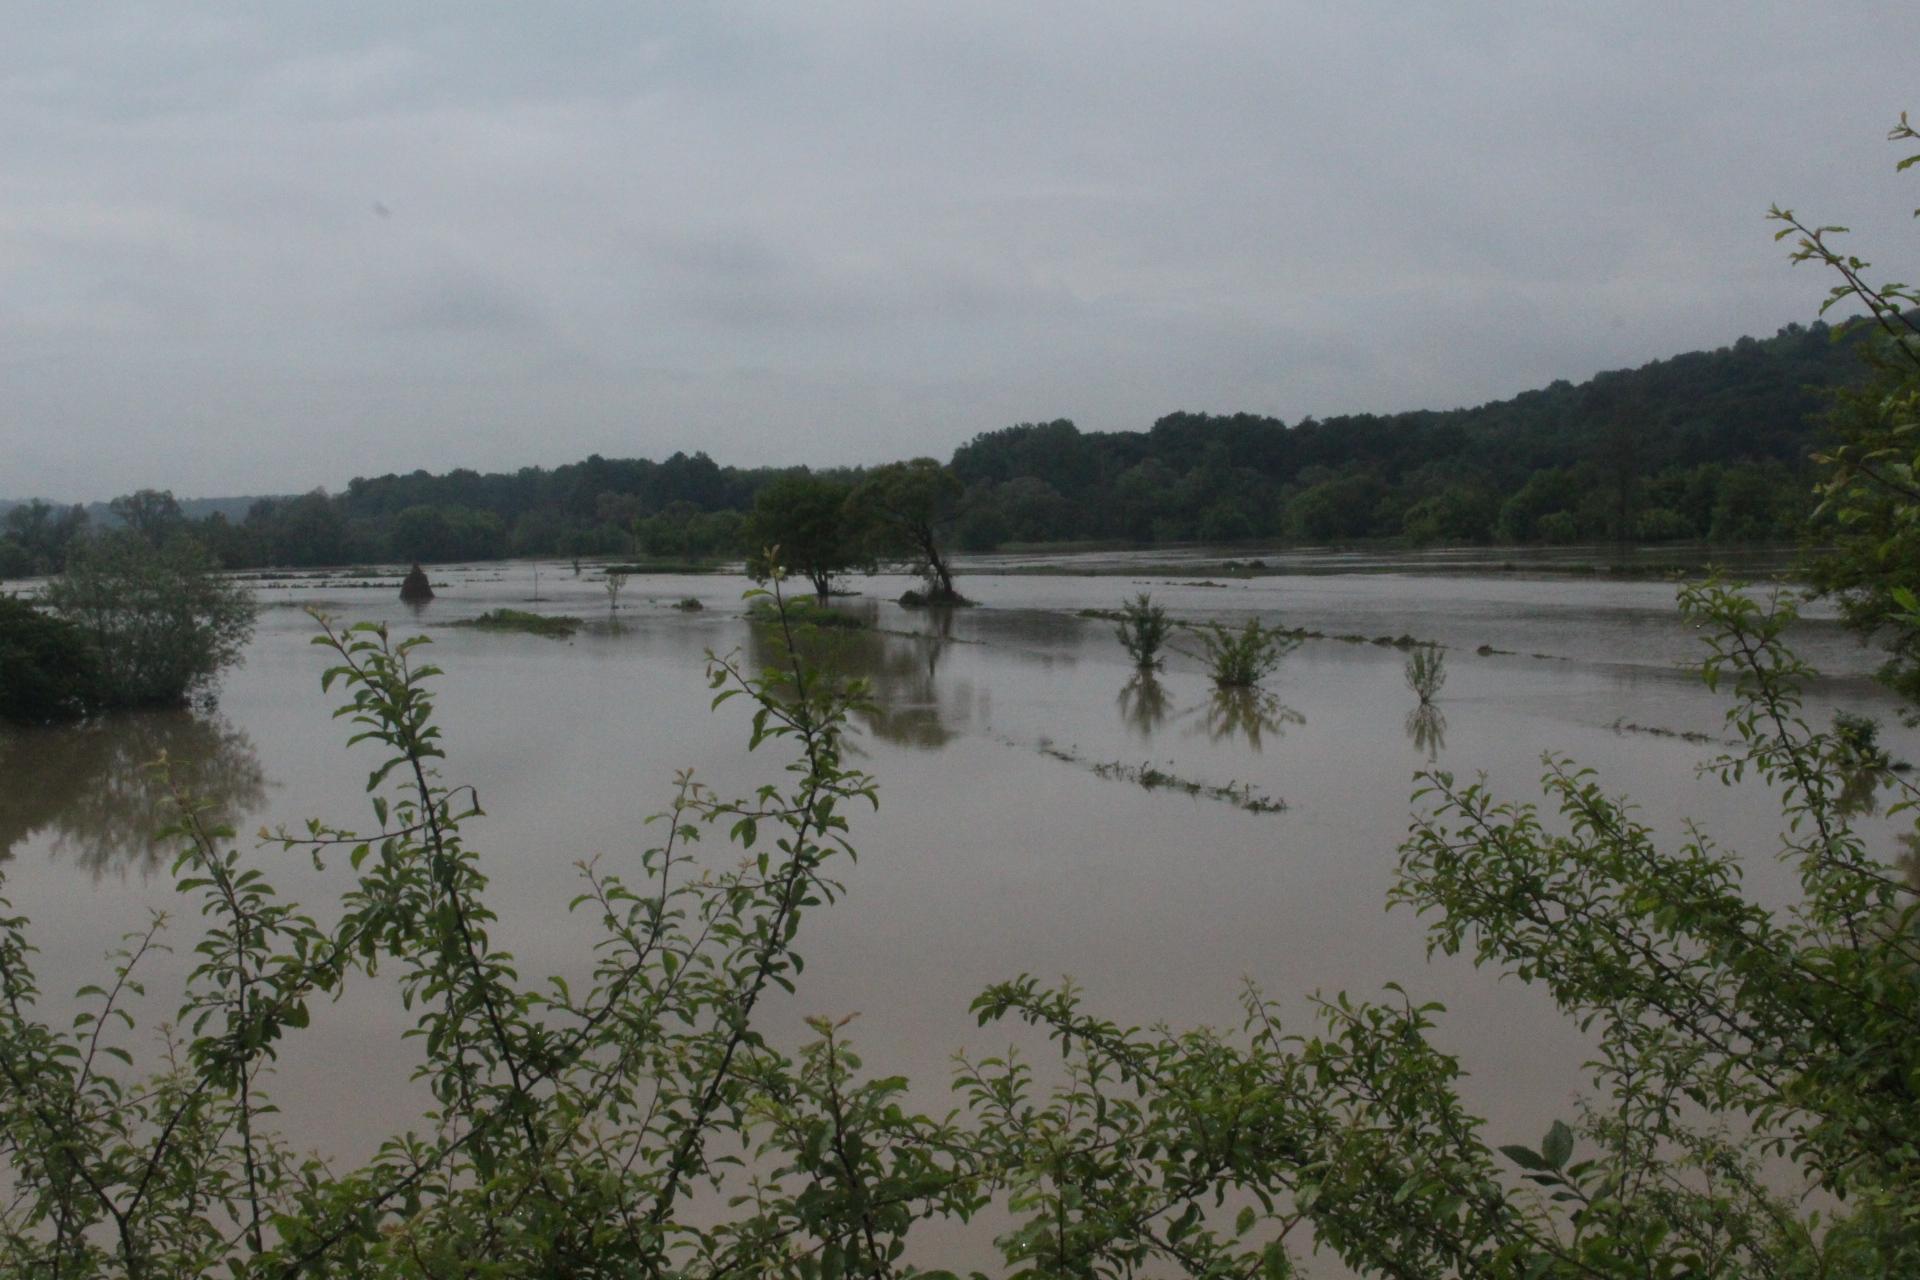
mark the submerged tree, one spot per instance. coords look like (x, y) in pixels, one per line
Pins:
(807, 519)
(905, 508)
(162, 621)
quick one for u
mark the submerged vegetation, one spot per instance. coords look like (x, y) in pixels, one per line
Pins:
(1150, 777)
(1143, 630)
(1426, 671)
(803, 613)
(127, 624)
(1241, 659)
(555, 626)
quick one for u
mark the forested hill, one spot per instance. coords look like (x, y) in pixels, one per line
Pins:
(1711, 444)
(1707, 444)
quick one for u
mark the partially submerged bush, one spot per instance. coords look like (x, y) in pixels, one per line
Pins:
(162, 620)
(414, 588)
(49, 671)
(1144, 628)
(1241, 659)
(1426, 671)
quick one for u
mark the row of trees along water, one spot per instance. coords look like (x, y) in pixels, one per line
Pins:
(1709, 445)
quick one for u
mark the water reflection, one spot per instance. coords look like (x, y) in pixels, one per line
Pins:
(1252, 714)
(1427, 730)
(1144, 704)
(88, 789)
(910, 708)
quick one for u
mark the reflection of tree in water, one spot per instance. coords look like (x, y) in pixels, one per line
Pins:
(1143, 703)
(907, 708)
(1245, 713)
(88, 788)
(1427, 730)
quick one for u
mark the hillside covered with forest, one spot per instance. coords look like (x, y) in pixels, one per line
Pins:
(1706, 445)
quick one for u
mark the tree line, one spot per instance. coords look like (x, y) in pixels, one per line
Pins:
(1708, 445)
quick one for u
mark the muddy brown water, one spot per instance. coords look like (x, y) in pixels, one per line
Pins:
(1010, 836)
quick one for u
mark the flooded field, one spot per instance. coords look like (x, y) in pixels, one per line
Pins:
(1011, 743)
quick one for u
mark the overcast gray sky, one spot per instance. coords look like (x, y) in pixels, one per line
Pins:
(264, 247)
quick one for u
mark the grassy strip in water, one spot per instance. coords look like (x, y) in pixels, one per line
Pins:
(1402, 641)
(803, 612)
(1241, 795)
(555, 626)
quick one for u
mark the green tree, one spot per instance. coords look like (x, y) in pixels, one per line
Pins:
(150, 514)
(904, 507)
(806, 517)
(49, 671)
(162, 621)
(44, 532)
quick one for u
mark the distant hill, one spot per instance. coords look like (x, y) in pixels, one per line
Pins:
(1705, 445)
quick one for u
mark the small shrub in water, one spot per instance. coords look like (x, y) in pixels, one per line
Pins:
(1143, 629)
(1241, 659)
(1426, 671)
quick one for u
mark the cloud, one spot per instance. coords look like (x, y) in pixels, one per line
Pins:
(851, 231)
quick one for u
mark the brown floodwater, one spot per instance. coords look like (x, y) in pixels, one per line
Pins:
(1012, 834)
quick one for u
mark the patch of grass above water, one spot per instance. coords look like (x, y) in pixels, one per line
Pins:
(554, 626)
(803, 612)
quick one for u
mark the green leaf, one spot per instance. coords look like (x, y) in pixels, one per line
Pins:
(1557, 1146)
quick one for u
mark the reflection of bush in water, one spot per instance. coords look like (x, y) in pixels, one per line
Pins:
(1143, 703)
(88, 787)
(1427, 730)
(1250, 713)
(907, 709)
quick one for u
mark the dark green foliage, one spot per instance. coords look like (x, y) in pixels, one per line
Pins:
(162, 621)
(439, 534)
(805, 519)
(35, 536)
(415, 588)
(902, 511)
(1143, 630)
(49, 670)
(152, 515)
